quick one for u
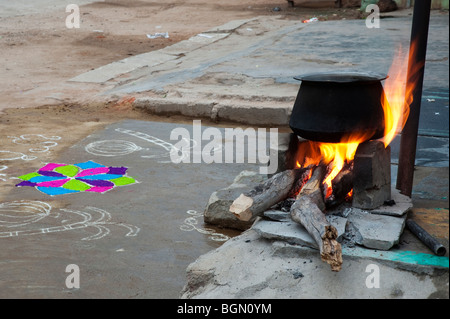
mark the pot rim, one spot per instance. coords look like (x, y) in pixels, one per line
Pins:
(342, 77)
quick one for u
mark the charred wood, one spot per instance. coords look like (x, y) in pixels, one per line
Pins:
(274, 190)
(342, 184)
(306, 212)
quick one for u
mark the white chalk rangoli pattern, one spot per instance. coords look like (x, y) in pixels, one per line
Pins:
(2, 168)
(170, 148)
(191, 223)
(22, 213)
(122, 147)
(154, 140)
(41, 142)
(12, 156)
(112, 148)
(181, 154)
(17, 217)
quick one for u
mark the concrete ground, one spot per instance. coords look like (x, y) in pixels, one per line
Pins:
(132, 242)
(136, 241)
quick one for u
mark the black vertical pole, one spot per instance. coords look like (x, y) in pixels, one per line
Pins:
(408, 142)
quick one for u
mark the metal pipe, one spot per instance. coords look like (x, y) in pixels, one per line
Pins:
(408, 142)
(426, 238)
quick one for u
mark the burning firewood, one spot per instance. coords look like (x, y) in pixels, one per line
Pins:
(342, 184)
(274, 190)
(314, 186)
(306, 212)
(306, 185)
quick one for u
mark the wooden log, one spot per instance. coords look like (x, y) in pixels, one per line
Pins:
(314, 186)
(274, 190)
(342, 184)
(305, 212)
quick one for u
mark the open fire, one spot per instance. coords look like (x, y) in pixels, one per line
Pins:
(340, 159)
(395, 102)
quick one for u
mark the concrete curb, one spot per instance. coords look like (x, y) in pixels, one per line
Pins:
(275, 114)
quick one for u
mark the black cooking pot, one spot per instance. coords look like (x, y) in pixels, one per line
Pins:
(332, 106)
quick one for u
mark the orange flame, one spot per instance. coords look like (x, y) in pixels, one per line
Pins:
(398, 95)
(336, 153)
(339, 154)
(349, 194)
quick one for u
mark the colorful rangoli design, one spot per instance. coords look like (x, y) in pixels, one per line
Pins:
(58, 179)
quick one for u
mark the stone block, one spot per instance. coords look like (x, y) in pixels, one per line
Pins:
(401, 205)
(376, 231)
(277, 215)
(288, 231)
(294, 233)
(372, 175)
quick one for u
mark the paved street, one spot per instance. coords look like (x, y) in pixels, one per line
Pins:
(135, 239)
